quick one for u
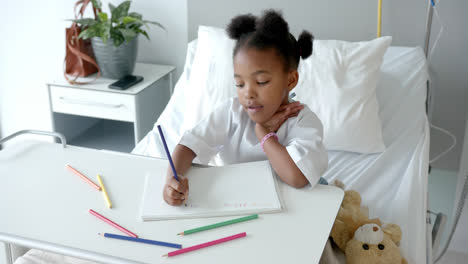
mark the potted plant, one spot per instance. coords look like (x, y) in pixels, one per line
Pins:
(114, 38)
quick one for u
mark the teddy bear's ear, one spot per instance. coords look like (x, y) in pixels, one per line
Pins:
(394, 232)
(376, 221)
(338, 184)
(351, 198)
(365, 210)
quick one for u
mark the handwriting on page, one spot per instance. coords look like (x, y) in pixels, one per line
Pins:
(191, 205)
(246, 204)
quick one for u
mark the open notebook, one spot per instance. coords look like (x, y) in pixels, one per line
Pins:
(237, 189)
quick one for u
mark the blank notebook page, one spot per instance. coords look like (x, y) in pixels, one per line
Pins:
(236, 189)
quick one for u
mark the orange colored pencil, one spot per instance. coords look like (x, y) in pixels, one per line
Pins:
(70, 168)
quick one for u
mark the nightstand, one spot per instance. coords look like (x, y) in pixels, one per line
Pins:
(92, 115)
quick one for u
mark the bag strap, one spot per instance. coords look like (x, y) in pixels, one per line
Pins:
(84, 4)
(74, 37)
(80, 55)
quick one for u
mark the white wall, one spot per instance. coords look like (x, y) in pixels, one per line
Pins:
(460, 237)
(325, 19)
(33, 48)
(449, 68)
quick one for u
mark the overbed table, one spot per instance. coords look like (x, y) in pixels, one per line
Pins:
(44, 206)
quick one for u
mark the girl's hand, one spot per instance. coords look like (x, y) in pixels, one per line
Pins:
(176, 192)
(282, 114)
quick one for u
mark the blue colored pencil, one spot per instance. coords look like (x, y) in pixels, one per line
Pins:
(141, 240)
(167, 153)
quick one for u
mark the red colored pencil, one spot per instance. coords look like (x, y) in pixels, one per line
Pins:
(207, 244)
(83, 177)
(91, 211)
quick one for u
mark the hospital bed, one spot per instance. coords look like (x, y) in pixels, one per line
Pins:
(393, 183)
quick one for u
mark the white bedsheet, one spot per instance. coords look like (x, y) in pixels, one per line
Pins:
(393, 183)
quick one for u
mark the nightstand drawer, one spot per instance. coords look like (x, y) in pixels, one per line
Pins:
(92, 103)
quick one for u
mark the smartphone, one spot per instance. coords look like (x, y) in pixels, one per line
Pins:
(126, 82)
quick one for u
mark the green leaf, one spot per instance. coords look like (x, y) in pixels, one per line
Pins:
(97, 4)
(102, 16)
(104, 29)
(155, 23)
(88, 33)
(84, 21)
(100, 30)
(135, 15)
(128, 34)
(117, 37)
(144, 33)
(120, 11)
(129, 19)
(111, 7)
(121, 26)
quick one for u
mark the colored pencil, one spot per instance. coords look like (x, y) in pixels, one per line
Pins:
(207, 244)
(141, 240)
(91, 211)
(220, 224)
(167, 153)
(104, 192)
(83, 177)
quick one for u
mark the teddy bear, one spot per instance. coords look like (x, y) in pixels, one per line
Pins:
(353, 232)
(372, 244)
(350, 217)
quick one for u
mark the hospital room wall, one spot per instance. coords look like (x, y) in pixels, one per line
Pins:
(33, 48)
(404, 20)
(32, 51)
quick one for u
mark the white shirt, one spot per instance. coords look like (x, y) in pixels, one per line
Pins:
(230, 133)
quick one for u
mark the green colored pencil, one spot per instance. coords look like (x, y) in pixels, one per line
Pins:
(229, 222)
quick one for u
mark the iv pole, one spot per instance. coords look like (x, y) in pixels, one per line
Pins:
(430, 12)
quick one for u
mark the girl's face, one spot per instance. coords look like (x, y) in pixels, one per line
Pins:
(262, 83)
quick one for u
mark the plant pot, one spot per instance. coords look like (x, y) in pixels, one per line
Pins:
(115, 62)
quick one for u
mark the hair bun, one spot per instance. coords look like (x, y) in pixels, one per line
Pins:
(272, 24)
(305, 44)
(241, 25)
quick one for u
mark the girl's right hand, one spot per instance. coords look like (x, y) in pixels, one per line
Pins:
(283, 113)
(176, 192)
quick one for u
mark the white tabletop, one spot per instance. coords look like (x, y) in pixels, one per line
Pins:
(45, 206)
(150, 72)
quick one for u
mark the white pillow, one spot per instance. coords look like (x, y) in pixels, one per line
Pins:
(212, 78)
(337, 82)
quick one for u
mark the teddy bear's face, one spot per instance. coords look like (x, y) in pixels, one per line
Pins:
(371, 245)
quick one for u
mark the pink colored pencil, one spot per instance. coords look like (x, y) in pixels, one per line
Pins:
(207, 244)
(83, 177)
(91, 211)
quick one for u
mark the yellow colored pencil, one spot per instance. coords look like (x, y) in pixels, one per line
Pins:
(104, 192)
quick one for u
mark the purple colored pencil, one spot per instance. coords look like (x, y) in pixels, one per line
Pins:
(167, 153)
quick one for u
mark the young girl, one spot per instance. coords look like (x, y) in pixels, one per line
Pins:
(261, 123)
